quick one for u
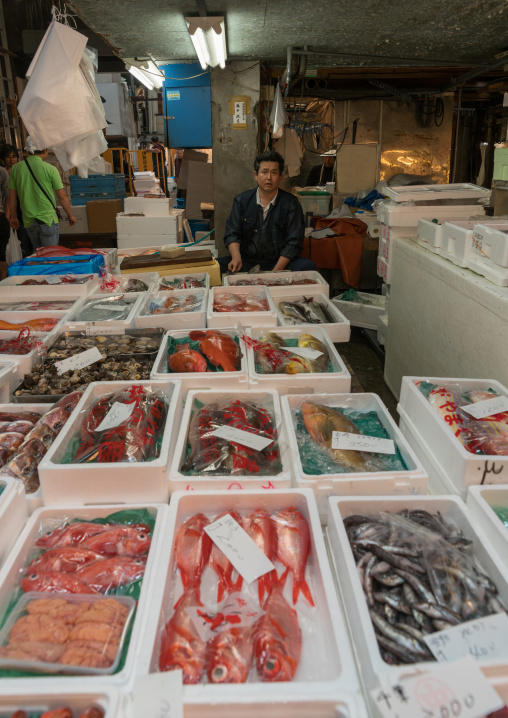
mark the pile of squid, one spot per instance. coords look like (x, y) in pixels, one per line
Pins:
(224, 641)
(419, 575)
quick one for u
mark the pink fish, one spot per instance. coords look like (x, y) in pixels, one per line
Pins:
(181, 646)
(293, 549)
(192, 549)
(261, 528)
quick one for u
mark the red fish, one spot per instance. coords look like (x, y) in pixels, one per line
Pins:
(20, 427)
(181, 646)
(55, 419)
(261, 528)
(192, 549)
(71, 534)
(186, 360)
(219, 348)
(229, 655)
(293, 548)
(277, 639)
(58, 713)
(93, 712)
(223, 566)
(54, 582)
(69, 402)
(110, 573)
(120, 541)
(11, 440)
(22, 416)
(66, 559)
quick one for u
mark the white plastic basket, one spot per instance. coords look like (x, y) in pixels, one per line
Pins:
(12, 288)
(339, 330)
(360, 314)
(320, 286)
(172, 320)
(217, 320)
(72, 323)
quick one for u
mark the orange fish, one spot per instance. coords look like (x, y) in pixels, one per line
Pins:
(277, 639)
(58, 713)
(186, 360)
(120, 541)
(71, 534)
(38, 325)
(229, 655)
(181, 646)
(293, 549)
(219, 348)
(192, 549)
(261, 529)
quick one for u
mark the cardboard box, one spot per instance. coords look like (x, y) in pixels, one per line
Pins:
(101, 215)
(81, 226)
(189, 156)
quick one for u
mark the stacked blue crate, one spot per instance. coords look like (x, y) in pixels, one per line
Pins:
(97, 187)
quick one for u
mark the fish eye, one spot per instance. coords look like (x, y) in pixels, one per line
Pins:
(142, 537)
(219, 673)
(33, 576)
(272, 666)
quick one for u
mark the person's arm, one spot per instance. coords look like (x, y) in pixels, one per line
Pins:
(60, 193)
(295, 232)
(12, 216)
(282, 263)
(232, 236)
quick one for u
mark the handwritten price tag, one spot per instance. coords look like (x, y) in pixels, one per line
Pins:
(239, 548)
(158, 695)
(483, 639)
(116, 416)
(78, 361)
(253, 441)
(304, 352)
(93, 329)
(359, 442)
(457, 690)
(489, 407)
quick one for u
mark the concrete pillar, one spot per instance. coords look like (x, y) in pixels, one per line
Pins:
(233, 150)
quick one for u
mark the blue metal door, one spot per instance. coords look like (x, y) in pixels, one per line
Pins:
(187, 106)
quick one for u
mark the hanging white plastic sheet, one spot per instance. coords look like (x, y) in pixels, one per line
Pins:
(278, 118)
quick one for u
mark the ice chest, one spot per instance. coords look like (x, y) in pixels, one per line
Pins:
(281, 290)
(338, 330)
(361, 314)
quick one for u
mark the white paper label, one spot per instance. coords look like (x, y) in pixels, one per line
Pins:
(457, 690)
(158, 695)
(359, 442)
(239, 548)
(253, 441)
(304, 352)
(488, 407)
(53, 279)
(236, 611)
(78, 361)
(93, 329)
(483, 639)
(116, 415)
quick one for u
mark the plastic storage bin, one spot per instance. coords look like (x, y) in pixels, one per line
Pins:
(111, 326)
(361, 314)
(413, 480)
(217, 320)
(339, 330)
(45, 698)
(13, 288)
(326, 666)
(319, 285)
(193, 319)
(480, 500)
(117, 482)
(316, 202)
(339, 379)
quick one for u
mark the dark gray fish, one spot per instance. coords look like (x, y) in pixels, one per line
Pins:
(399, 637)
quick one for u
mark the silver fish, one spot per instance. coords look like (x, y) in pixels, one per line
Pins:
(297, 313)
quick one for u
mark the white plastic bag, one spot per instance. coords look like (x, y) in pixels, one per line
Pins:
(13, 251)
(278, 118)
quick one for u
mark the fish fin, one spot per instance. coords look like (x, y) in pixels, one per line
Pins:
(282, 578)
(304, 588)
(261, 589)
(237, 586)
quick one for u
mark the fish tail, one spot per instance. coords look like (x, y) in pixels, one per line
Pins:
(237, 586)
(282, 578)
(304, 588)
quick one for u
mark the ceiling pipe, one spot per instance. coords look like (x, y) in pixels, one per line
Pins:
(475, 72)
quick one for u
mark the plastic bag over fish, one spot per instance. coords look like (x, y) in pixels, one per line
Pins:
(106, 308)
(123, 426)
(22, 343)
(208, 454)
(314, 423)
(170, 303)
(188, 282)
(225, 301)
(270, 358)
(488, 436)
(204, 350)
(290, 279)
(419, 575)
(217, 627)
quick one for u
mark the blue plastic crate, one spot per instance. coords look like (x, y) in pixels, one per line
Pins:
(97, 183)
(198, 225)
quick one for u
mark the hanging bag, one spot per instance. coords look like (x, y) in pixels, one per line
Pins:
(43, 190)
(13, 251)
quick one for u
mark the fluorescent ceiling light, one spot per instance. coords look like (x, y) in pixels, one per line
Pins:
(146, 72)
(208, 35)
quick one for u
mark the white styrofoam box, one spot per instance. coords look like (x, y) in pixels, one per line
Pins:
(13, 513)
(429, 233)
(407, 216)
(413, 480)
(457, 240)
(462, 467)
(319, 285)
(384, 269)
(120, 482)
(433, 192)
(25, 362)
(9, 373)
(374, 670)
(150, 206)
(360, 314)
(382, 328)
(19, 317)
(326, 665)
(385, 249)
(480, 500)
(217, 320)
(491, 242)
(201, 379)
(12, 288)
(11, 572)
(155, 241)
(194, 319)
(142, 225)
(51, 697)
(149, 278)
(268, 399)
(71, 322)
(81, 225)
(175, 277)
(491, 271)
(339, 330)
(339, 379)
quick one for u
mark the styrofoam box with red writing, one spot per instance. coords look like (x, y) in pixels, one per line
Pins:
(461, 466)
(117, 482)
(11, 572)
(338, 330)
(457, 241)
(267, 399)
(281, 290)
(217, 320)
(77, 698)
(374, 669)
(326, 667)
(384, 269)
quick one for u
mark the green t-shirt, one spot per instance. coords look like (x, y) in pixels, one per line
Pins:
(34, 205)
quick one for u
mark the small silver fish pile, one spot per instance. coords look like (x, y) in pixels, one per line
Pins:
(419, 576)
(305, 311)
(104, 309)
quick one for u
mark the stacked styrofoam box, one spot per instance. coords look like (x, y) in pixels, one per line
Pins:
(457, 242)
(362, 314)
(217, 320)
(447, 461)
(193, 319)
(326, 671)
(54, 697)
(490, 252)
(339, 330)
(146, 183)
(13, 513)
(382, 329)
(201, 379)
(412, 480)
(319, 285)
(127, 482)
(171, 278)
(147, 230)
(269, 400)
(46, 519)
(149, 206)
(339, 379)
(375, 671)
(60, 315)
(13, 288)
(480, 500)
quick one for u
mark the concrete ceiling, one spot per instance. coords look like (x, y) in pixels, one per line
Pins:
(466, 32)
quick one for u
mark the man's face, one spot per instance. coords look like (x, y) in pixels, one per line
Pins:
(328, 160)
(268, 177)
(179, 154)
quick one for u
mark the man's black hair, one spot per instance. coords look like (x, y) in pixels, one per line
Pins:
(269, 156)
(5, 151)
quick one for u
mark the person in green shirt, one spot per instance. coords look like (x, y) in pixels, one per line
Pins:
(37, 203)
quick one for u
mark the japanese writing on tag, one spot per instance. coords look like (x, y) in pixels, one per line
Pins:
(93, 329)
(489, 407)
(78, 361)
(238, 436)
(53, 279)
(457, 690)
(483, 639)
(359, 442)
(116, 415)
(158, 695)
(304, 352)
(239, 548)
(239, 118)
(236, 610)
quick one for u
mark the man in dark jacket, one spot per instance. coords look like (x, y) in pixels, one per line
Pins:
(266, 224)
